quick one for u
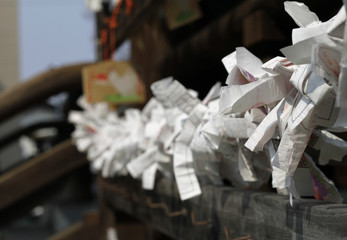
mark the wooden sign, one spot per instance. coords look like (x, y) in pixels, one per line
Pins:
(113, 82)
(181, 12)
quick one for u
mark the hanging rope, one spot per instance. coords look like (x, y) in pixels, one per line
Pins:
(113, 24)
(129, 4)
(109, 32)
(104, 38)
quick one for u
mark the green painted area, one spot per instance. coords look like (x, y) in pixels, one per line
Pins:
(115, 98)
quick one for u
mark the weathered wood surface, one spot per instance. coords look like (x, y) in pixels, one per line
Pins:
(219, 37)
(38, 172)
(142, 10)
(7, 139)
(226, 213)
(39, 88)
(87, 229)
(127, 25)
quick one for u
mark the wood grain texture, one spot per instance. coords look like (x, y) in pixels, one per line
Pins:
(142, 10)
(87, 229)
(39, 88)
(38, 172)
(218, 38)
(226, 213)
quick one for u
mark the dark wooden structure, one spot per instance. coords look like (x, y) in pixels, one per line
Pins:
(225, 212)
(191, 54)
(32, 182)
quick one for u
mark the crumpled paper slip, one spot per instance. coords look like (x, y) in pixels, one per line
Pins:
(158, 127)
(174, 118)
(218, 129)
(187, 182)
(213, 94)
(257, 115)
(154, 127)
(331, 147)
(122, 149)
(241, 98)
(161, 92)
(245, 165)
(138, 165)
(90, 123)
(326, 63)
(148, 177)
(278, 175)
(243, 67)
(300, 13)
(314, 87)
(340, 122)
(211, 132)
(276, 118)
(313, 104)
(270, 108)
(229, 164)
(222, 127)
(237, 127)
(299, 128)
(336, 28)
(254, 167)
(281, 66)
(324, 188)
(117, 156)
(174, 94)
(125, 155)
(300, 76)
(229, 154)
(311, 33)
(171, 93)
(134, 124)
(186, 179)
(250, 79)
(81, 136)
(265, 130)
(151, 105)
(206, 160)
(342, 90)
(110, 142)
(304, 33)
(295, 137)
(333, 27)
(301, 52)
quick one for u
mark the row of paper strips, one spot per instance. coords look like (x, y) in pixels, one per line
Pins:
(257, 126)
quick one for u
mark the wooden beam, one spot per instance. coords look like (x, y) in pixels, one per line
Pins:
(226, 212)
(58, 124)
(87, 229)
(142, 10)
(196, 62)
(38, 172)
(39, 88)
(75, 231)
(23, 206)
(259, 27)
(217, 39)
